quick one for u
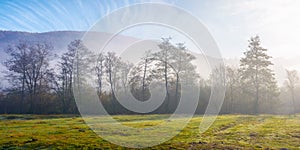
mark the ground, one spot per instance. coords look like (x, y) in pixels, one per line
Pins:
(228, 132)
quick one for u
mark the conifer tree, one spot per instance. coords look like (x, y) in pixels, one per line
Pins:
(257, 78)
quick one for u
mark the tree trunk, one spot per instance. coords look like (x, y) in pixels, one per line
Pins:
(143, 82)
(176, 90)
(293, 100)
(166, 86)
(231, 99)
(22, 93)
(256, 101)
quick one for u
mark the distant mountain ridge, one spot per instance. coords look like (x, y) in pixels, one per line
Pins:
(58, 39)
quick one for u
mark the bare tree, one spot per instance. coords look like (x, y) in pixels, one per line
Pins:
(76, 69)
(17, 66)
(163, 56)
(146, 62)
(112, 63)
(100, 72)
(82, 65)
(66, 77)
(141, 76)
(232, 83)
(124, 72)
(291, 82)
(181, 62)
(29, 62)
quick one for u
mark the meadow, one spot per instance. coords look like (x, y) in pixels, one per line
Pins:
(227, 132)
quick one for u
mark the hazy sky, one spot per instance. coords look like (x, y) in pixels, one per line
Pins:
(231, 22)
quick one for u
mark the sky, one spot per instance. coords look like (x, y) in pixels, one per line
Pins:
(231, 22)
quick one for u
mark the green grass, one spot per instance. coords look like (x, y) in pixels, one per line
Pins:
(228, 132)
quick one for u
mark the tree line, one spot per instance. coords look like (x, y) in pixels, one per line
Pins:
(40, 83)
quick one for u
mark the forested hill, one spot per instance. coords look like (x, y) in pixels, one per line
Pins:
(58, 39)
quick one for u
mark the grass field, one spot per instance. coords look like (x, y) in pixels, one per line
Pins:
(228, 132)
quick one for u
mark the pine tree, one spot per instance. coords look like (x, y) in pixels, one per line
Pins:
(257, 78)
